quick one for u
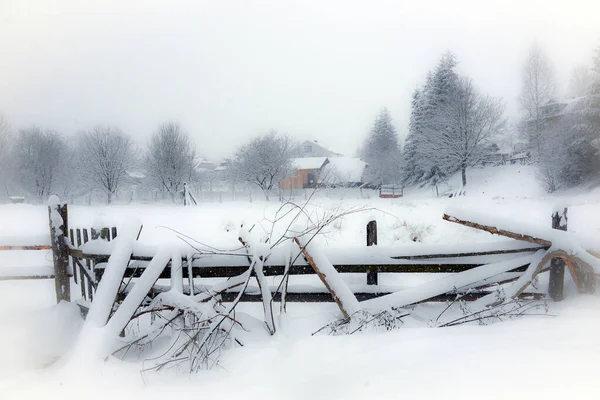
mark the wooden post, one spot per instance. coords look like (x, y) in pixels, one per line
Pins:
(557, 265)
(372, 241)
(60, 254)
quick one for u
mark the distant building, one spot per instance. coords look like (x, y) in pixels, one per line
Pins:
(553, 111)
(205, 165)
(307, 171)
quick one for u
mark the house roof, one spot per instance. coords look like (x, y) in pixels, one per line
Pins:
(309, 163)
(344, 170)
(322, 147)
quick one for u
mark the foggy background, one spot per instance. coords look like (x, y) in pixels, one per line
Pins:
(228, 70)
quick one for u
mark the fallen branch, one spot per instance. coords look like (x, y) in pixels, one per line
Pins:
(496, 231)
(340, 292)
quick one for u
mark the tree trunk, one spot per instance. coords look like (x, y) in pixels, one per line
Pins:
(464, 175)
(109, 197)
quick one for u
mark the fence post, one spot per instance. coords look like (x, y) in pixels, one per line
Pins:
(372, 240)
(58, 217)
(557, 266)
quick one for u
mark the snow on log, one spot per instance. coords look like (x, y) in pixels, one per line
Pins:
(176, 271)
(113, 274)
(23, 273)
(58, 223)
(340, 292)
(136, 296)
(209, 293)
(29, 242)
(445, 285)
(539, 260)
(260, 253)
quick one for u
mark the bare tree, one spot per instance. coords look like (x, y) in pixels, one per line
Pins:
(538, 86)
(171, 158)
(106, 155)
(581, 79)
(38, 155)
(466, 125)
(264, 161)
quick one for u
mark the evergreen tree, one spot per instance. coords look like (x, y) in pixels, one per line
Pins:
(382, 151)
(429, 116)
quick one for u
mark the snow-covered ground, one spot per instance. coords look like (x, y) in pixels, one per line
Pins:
(550, 357)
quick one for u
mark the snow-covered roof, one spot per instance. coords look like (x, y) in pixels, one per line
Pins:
(136, 174)
(344, 170)
(309, 162)
(314, 148)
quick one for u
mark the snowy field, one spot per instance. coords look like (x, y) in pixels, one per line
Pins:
(542, 356)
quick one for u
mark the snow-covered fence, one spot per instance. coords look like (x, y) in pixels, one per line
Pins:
(57, 214)
(63, 241)
(83, 269)
(477, 269)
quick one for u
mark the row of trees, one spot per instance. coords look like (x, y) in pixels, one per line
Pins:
(41, 162)
(452, 127)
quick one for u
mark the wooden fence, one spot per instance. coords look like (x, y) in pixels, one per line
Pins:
(86, 266)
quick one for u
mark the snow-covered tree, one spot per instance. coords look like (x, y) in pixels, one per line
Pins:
(428, 117)
(4, 137)
(382, 152)
(264, 161)
(106, 155)
(570, 150)
(580, 81)
(6, 169)
(465, 128)
(38, 156)
(170, 159)
(451, 125)
(537, 88)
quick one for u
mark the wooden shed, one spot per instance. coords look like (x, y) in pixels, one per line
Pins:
(306, 173)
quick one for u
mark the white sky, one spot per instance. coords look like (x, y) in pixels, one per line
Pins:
(231, 69)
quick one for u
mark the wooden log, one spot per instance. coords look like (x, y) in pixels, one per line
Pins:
(279, 270)
(325, 279)
(26, 277)
(326, 297)
(79, 265)
(557, 265)
(60, 254)
(34, 247)
(472, 254)
(493, 230)
(71, 261)
(372, 241)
